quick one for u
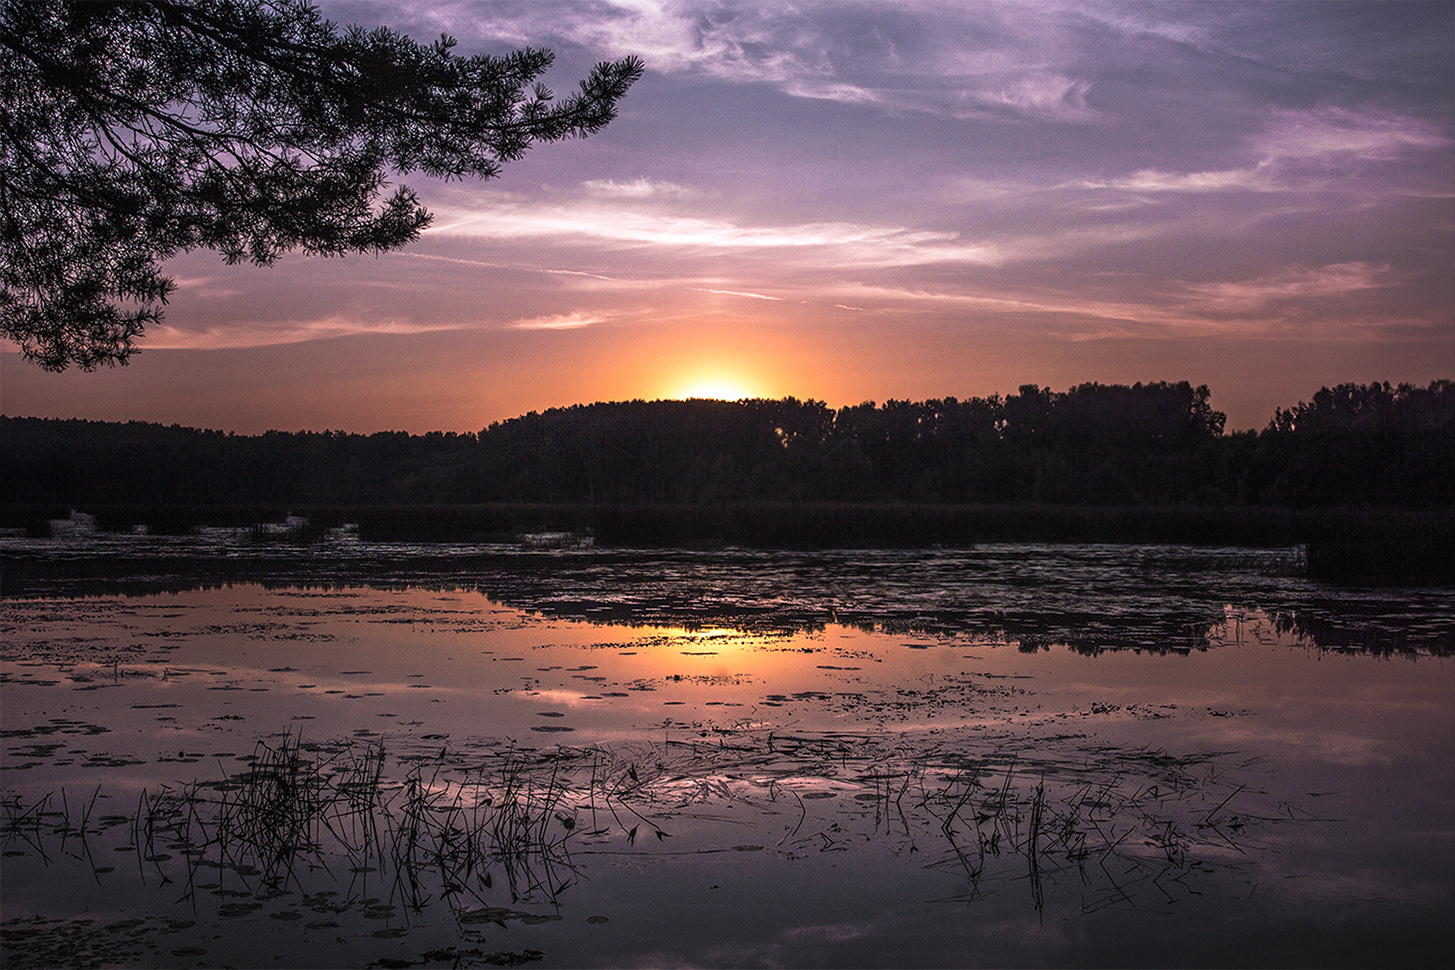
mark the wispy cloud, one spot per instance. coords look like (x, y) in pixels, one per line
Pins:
(1273, 304)
(1333, 131)
(242, 334)
(206, 287)
(1150, 180)
(559, 321)
(754, 296)
(499, 217)
(979, 58)
(1298, 151)
(641, 188)
(1354, 40)
(1044, 95)
(516, 266)
(1301, 283)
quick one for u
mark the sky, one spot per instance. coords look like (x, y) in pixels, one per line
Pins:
(862, 201)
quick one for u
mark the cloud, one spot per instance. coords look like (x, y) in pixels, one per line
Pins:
(1306, 150)
(971, 60)
(1334, 281)
(1142, 20)
(1254, 179)
(755, 296)
(1272, 304)
(1377, 42)
(1010, 301)
(828, 90)
(1134, 153)
(560, 321)
(828, 933)
(241, 334)
(206, 287)
(1028, 60)
(502, 218)
(1333, 132)
(1046, 95)
(642, 188)
(517, 266)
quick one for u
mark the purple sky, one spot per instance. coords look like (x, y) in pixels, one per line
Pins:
(862, 201)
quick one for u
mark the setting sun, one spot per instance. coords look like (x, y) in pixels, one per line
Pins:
(722, 380)
(715, 388)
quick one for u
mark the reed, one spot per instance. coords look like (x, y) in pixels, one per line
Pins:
(464, 829)
(294, 813)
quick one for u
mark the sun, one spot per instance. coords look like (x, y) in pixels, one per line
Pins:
(716, 387)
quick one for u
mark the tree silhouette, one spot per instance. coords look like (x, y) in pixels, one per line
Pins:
(131, 132)
(1157, 444)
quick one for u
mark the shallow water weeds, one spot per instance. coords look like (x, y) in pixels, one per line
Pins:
(463, 829)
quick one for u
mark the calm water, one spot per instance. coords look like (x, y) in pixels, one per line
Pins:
(220, 754)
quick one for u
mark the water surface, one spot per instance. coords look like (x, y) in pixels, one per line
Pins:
(1075, 755)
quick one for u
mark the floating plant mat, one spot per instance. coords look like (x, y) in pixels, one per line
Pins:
(401, 774)
(1089, 596)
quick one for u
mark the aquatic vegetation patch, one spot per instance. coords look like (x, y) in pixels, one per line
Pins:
(346, 834)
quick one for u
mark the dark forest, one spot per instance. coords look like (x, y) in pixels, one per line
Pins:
(1093, 445)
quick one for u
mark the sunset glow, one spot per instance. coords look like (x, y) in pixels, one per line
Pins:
(715, 388)
(864, 201)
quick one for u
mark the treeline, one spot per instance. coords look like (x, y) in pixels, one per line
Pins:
(1156, 444)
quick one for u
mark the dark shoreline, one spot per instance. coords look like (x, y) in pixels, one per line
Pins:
(1390, 547)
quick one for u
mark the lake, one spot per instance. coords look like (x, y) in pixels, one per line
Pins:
(219, 752)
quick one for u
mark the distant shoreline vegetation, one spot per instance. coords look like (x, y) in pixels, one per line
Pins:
(1364, 474)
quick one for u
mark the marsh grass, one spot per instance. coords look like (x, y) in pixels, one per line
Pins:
(483, 829)
(302, 814)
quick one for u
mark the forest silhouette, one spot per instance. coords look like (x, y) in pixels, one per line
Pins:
(1100, 462)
